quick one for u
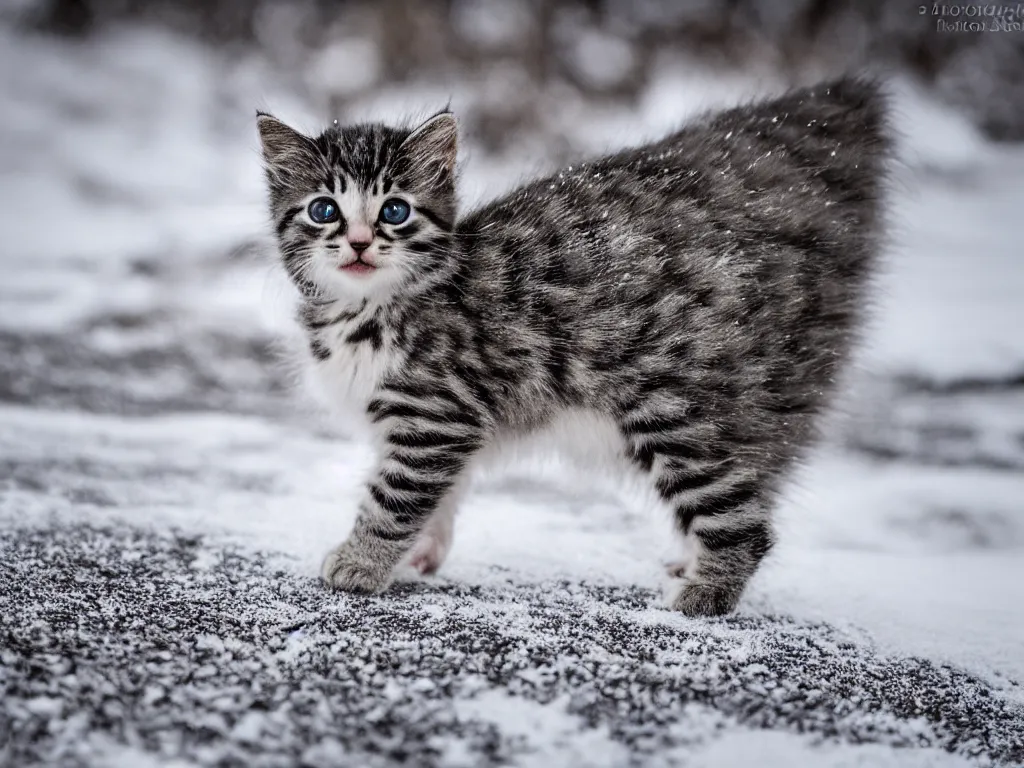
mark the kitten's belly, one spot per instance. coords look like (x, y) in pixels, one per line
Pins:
(586, 438)
(581, 451)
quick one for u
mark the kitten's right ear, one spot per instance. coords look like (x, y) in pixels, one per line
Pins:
(280, 142)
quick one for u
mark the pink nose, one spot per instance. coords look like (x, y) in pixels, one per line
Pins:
(359, 237)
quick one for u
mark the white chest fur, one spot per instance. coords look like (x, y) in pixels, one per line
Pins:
(350, 375)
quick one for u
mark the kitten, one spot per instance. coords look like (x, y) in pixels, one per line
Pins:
(697, 295)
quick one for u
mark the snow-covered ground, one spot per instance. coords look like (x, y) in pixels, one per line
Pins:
(164, 504)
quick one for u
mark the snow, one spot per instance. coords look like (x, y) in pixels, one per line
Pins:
(600, 59)
(164, 506)
(754, 747)
(557, 734)
(492, 23)
(358, 59)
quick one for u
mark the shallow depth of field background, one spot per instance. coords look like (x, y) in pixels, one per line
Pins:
(132, 199)
(135, 260)
(135, 255)
(139, 304)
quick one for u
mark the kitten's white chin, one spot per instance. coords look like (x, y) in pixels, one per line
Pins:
(350, 285)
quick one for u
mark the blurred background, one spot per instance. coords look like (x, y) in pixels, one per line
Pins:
(165, 502)
(134, 249)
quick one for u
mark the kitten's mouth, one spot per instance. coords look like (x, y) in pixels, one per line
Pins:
(358, 267)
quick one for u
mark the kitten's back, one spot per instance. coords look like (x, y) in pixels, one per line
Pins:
(740, 247)
(770, 169)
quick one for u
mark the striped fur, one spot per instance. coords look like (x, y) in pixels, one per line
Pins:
(698, 295)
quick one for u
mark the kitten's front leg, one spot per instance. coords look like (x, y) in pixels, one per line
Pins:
(364, 562)
(426, 449)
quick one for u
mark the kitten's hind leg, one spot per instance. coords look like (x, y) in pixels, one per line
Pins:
(725, 539)
(720, 507)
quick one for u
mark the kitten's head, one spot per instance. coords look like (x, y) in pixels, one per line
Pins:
(363, 210)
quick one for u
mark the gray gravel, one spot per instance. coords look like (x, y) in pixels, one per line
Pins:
(184, 646)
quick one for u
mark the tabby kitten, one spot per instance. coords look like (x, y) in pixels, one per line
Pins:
(695, 298)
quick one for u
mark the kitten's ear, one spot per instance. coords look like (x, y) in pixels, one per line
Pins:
(280, 143)
(432, 147)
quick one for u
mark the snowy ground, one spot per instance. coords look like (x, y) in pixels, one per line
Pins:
(163, 504)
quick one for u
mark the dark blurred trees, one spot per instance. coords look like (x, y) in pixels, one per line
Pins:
(981, 73)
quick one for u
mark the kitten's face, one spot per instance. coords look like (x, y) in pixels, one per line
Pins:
(362, 211)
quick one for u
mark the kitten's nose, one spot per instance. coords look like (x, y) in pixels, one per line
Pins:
(359, 236)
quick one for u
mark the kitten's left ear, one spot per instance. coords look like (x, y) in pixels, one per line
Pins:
(432, 147)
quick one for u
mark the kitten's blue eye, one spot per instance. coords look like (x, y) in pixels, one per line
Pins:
(394, 211)
(323, 210)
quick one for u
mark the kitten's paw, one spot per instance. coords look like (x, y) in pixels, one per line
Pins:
(349, 570)
(427, 555)
(696, 599)
(429, 551)
(433, 543)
